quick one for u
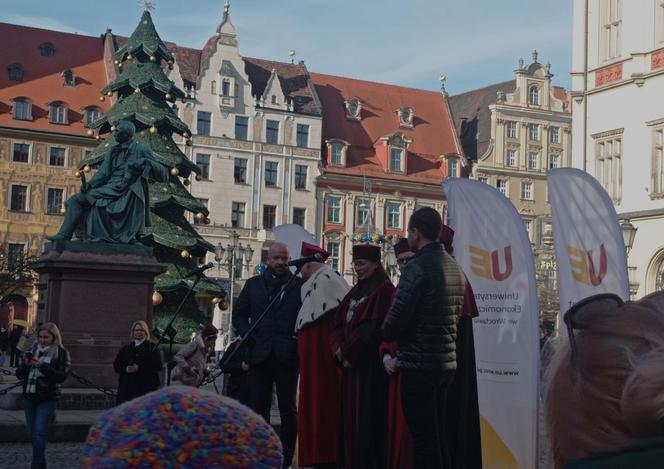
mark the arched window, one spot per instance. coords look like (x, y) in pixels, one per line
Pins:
(213, 87)
(91, 114)
(22, 110)
(58, 113)
(68, 78)
(534, 95)
(15, 72)
(47, 49)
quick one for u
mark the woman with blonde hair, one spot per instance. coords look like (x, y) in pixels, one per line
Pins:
(137, 364)
(605, 385)
(42, 370)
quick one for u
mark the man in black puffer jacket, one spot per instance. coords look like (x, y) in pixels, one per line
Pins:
(423, 320)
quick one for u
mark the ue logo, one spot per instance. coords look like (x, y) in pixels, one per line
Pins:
(582, 265)
(487, 264)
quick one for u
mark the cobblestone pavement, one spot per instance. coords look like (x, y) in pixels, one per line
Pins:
(58, 455)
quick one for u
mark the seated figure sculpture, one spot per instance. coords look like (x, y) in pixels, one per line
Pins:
(114, 206)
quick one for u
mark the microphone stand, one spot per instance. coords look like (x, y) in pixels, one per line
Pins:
(225, 360)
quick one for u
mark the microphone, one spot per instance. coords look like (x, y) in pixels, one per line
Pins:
(303, 260)
(199, 270)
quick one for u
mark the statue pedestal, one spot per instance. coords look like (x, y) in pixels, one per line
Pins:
(93, 292)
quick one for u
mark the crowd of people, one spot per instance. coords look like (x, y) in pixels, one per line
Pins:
(367, 376)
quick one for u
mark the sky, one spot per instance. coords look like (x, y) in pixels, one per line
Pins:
(409, 42)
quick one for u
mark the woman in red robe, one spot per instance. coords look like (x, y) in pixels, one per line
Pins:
(355, 338)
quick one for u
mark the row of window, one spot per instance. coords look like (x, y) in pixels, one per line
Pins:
(238, 212)
(57, 156)
(533, 159)
(502, 184)
(58, 113)
(363, 211)
(19, 199)
(511, 131)
(272, 129)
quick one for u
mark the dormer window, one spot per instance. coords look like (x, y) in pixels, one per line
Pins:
(405, 117)
(57, 113)
(226, 87)
(396, 159)
(47, 49)
(274, 99)
(68, 78)
(22, 110)
(15, 72)
(534, 95)
(91, 115)
(353, 109)
(336, 150)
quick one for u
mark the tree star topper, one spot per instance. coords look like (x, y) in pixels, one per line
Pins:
(147, 5)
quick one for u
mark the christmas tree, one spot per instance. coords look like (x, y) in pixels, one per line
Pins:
(144, 94)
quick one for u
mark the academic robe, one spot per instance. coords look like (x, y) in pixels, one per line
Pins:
(356, 331)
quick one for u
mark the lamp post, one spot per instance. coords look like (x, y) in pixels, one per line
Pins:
(234, 257)
(629, 233)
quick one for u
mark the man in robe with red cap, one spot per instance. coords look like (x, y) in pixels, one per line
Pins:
(320, 378)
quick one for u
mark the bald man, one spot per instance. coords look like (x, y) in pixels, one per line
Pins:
(273, 357)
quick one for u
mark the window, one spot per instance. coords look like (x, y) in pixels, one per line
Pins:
(659, 25)
(22, 110)
(534, 95)
(91, 115)
(269, 216)
(394, 215)
(510, 157)
(528, 225)
(337, 154)
(396, 159)
(609, 167)
(271, 170)
(452, 168)
(533, 132)
(554, 132)
(19, 198)
(15, 72)
(406, 116)
(203, 162)
(302, 139)
(47, 49)
(68, 78)
(658, 162)
(58, 114)
(298, 216)
(21, 153)
(54, 200)
(56, 156)
(554, 161)
(353, 107)
(205, 203)
(511, 129)
(527, 190)
(300, 177)
(501, 185)
(272, 131)
(610, 34)
(485, 180)
(213, 87)
(203, 121)
(333, 209)
(241, 128)
(240, 170)
(533, 160)
(15, 255)
(363, 212)
(333, 249)
(237, 214)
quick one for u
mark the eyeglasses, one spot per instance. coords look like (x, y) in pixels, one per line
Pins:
(576, 316)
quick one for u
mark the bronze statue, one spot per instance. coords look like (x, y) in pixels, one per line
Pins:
(114, 205)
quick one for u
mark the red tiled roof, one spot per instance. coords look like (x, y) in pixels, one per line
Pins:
(42, 81)
(433, 134)
(565, 96)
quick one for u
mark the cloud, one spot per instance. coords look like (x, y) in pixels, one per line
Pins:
(45, 22)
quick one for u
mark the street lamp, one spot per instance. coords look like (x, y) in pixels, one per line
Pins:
(629, 233)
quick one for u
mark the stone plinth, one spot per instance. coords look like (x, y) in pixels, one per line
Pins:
(93, 292)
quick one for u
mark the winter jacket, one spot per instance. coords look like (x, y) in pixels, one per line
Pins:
(190, 363)
(143, 381)
(54, 374)
(423, 318)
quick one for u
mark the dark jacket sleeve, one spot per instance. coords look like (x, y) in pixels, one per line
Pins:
(153, 362)
(120, 363)
(57, 372)
(242, 309)
(400, 314)
(22, 371)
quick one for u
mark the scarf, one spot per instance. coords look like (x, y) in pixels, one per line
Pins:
(44, 355)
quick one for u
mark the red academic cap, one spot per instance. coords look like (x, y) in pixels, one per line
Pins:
(401, 247)
(446, 237)
(309, 249)
(367, 252)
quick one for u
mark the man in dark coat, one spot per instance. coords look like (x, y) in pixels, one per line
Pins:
(273, 357)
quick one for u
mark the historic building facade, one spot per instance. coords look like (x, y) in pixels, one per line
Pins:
(385, 152)
(617, 84)
(49, 90)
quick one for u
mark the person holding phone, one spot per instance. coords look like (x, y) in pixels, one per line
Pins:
(43, 370)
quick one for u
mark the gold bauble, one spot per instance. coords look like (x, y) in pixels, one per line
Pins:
(101, 98)
(129, 57)
(170, 62)
(113, 128)
(185, 254)
(63, 211)
(153, 130)
(207, 221)
(157, 298)
(175, 171)
(87, 168)
(90, 132)
(216, 300)
(97, 137)
(185, 135)
(198, 177)
(168, 96)
(137, 90)
(200, 216)
(186, 182)
(116, 62)
(153, 58)
(223, 305)
(77, 174)
(109, 93)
